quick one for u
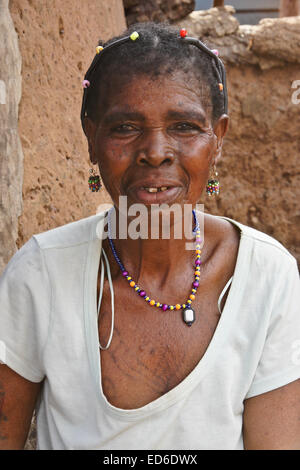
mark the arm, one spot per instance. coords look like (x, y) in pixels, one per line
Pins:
(272, 419)
(17, 401)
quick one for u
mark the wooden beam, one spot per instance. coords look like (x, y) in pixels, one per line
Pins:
(218, 3)
(289, 8)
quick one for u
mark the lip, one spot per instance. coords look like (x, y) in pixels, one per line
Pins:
(157, 183)
(142, 196)
(167, 196)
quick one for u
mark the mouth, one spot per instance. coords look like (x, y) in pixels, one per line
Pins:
(156, 193)
(156, 190)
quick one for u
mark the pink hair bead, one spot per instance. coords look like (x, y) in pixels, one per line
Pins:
(85, 83)
(215, 51)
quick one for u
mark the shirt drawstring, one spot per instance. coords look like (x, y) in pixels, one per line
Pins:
(112, 297)
(222, 294)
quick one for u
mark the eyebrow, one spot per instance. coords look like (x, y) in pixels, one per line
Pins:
(187, 114)
(122, 116)
(118, 116)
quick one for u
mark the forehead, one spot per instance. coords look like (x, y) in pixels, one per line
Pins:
(151, 94)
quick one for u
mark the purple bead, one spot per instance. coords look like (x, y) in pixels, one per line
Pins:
(85, 83)
(196, 284)
(197, 262)
(165, 307)
(142, 293)
(125, 273)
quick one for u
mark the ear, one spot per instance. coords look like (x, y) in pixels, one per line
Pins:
(220, 129)
(90, 129)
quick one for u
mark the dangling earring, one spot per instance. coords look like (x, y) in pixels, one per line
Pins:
(94, 181)
(213, 184)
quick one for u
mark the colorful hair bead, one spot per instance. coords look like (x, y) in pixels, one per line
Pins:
(221, 86)
(183, 33)
(85, 83)
(99, 49)
(215, 51)
(134, 35)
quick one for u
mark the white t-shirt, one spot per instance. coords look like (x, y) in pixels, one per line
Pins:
(48, 324)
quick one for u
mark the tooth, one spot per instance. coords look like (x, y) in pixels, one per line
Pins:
(152, 190)
(163, 188)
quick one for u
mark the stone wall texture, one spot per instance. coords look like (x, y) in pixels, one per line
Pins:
(11, 156)
(157, 10)
(57, 40)
(259, 172)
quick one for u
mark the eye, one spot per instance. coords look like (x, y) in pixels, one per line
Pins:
(124, 129)
(185, 127)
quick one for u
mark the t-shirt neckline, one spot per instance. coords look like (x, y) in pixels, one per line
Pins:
(231, 309)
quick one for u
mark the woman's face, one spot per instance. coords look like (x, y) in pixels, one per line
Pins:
(154, 140)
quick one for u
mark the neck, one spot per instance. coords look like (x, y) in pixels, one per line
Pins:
(156, 259)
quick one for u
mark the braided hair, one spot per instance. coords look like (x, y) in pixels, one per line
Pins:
(155, 49)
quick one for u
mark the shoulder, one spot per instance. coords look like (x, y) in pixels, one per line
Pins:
(265, 257)
(260, 250)
(29, 266)
(75, 233)
(260, 239)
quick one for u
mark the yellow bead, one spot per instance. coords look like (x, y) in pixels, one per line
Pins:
(194, 291)
(147, 298)
(128, 278)
(132, 284)
(197, 278)
(134, 35)
(198, 246)
(136, 288)
(192, 297)
(152, 302)
(99, 49)
(177, 306)
(171, 307)
(188, 301)
(157, 304)
(183, 305)
(197, 273)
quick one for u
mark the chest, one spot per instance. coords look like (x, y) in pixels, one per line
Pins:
(152, 351)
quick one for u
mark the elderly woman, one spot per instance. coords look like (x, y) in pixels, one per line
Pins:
(137, 342)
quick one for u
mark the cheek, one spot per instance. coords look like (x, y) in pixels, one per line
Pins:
(196, 163)
(113, 159)
(197, 157)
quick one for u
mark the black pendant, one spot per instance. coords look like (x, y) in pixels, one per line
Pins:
(188, 315)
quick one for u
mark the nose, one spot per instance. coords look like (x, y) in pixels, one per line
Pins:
(155, 150)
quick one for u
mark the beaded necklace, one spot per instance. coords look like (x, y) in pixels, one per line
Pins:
(188, 314)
